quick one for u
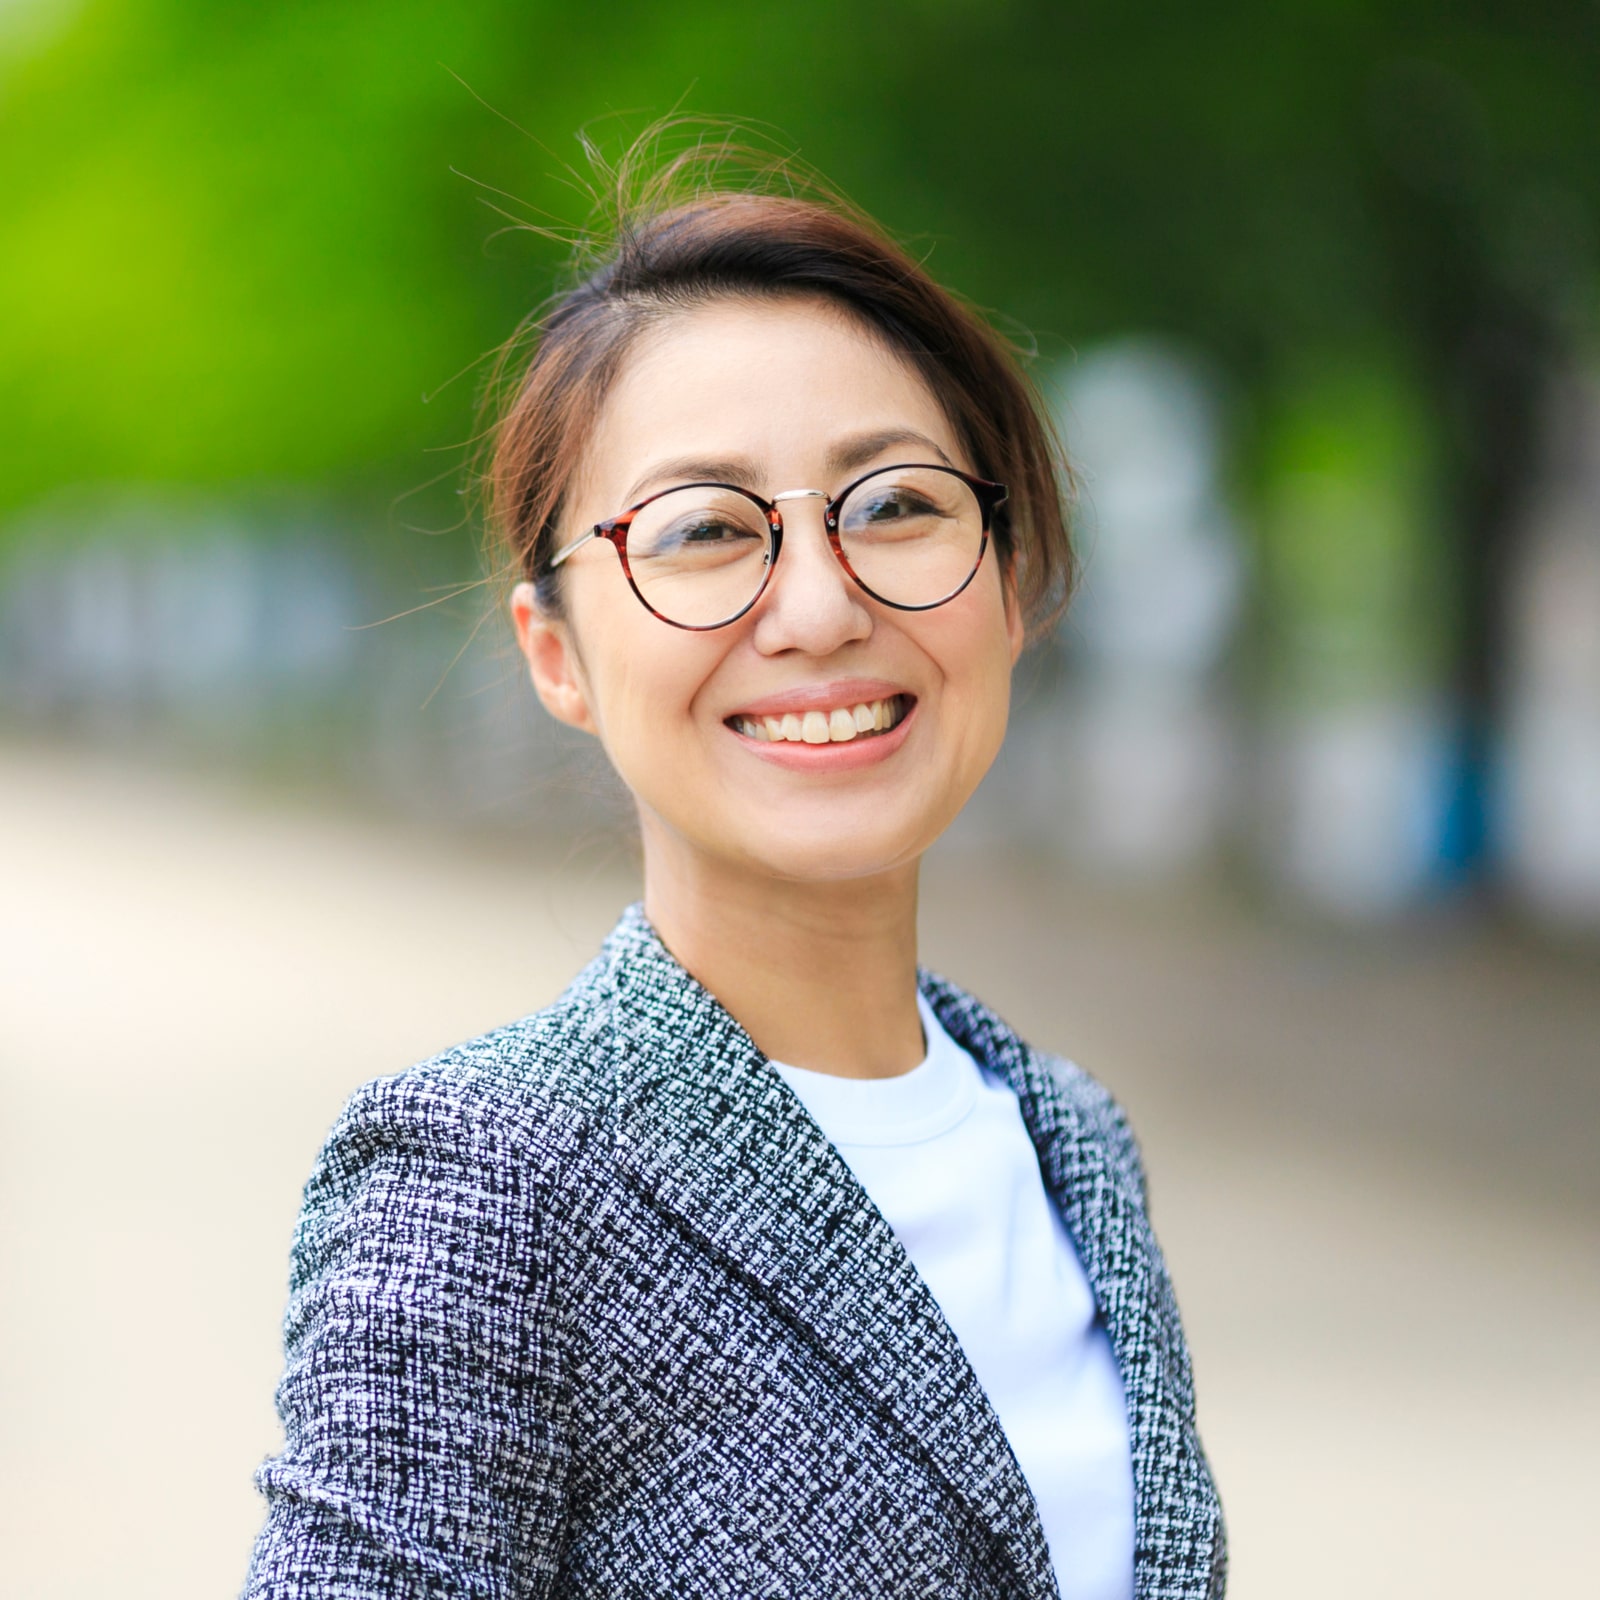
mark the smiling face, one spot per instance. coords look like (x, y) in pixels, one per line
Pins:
(774, 395)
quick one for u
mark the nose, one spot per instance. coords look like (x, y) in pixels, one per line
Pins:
(810, 603)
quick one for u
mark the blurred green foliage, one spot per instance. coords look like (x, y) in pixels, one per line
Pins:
(1356, 584)
(244, 244)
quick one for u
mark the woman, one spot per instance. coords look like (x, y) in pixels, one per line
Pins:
(762, 1262)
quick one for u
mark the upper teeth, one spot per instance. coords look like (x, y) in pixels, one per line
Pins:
(824, 727)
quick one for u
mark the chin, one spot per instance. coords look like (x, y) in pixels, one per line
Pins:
(840, 853)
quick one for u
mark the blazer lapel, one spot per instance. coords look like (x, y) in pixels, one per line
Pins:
(710, 1134)
(1179, 1549)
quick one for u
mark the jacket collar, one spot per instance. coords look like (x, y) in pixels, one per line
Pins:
(710, 1135)
(1180, 1545)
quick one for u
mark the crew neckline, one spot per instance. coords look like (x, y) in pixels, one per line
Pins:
(929, 1100)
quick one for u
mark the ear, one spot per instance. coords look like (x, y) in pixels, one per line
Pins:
(553, 662)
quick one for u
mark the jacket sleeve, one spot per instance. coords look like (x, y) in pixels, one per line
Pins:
(425, 1448)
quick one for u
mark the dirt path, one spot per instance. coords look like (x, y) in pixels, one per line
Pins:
(1374, 1172)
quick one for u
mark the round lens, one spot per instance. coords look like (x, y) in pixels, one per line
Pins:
(912, 535)
(698, 556)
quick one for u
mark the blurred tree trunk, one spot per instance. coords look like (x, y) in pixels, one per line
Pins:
(1478, 299)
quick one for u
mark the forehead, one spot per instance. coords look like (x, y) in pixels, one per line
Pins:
(771, 384)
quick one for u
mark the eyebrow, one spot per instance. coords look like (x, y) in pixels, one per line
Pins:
(843, 458)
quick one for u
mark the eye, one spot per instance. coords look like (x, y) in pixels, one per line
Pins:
(889, 505)
(892, 511)
(710, 529)
(683, 527)
(699, 530)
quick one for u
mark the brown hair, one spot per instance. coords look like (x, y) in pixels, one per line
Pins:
(687, 235)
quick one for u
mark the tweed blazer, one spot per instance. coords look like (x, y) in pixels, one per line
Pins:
(589, 1306)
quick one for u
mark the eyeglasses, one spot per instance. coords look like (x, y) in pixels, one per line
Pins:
(699, 555)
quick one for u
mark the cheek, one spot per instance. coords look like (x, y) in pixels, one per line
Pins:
(973, 654)
(643, 678)
(970, 642)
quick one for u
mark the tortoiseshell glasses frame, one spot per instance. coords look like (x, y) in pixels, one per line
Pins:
(989, 496)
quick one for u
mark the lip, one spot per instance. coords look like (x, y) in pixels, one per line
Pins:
(848, 756)
(844, 692)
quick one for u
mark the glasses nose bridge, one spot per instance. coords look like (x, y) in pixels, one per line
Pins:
(777, 500)
(827, 528)
(806, 494)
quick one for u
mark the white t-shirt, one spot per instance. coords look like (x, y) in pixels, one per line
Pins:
(946, 1157)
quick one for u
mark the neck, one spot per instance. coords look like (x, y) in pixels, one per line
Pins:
(820, 975)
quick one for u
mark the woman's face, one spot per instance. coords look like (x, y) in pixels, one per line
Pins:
(774, 395)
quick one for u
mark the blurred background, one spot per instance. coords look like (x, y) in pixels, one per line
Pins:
(1295, 841)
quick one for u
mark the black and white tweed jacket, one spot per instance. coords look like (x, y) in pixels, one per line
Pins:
(589, 1306)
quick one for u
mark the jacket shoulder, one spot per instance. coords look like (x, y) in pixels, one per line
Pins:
(424, 1415)
(528, 1092)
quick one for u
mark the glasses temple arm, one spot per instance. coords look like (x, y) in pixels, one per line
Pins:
(577, 544)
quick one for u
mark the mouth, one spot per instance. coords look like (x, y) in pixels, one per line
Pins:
(853, 723)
